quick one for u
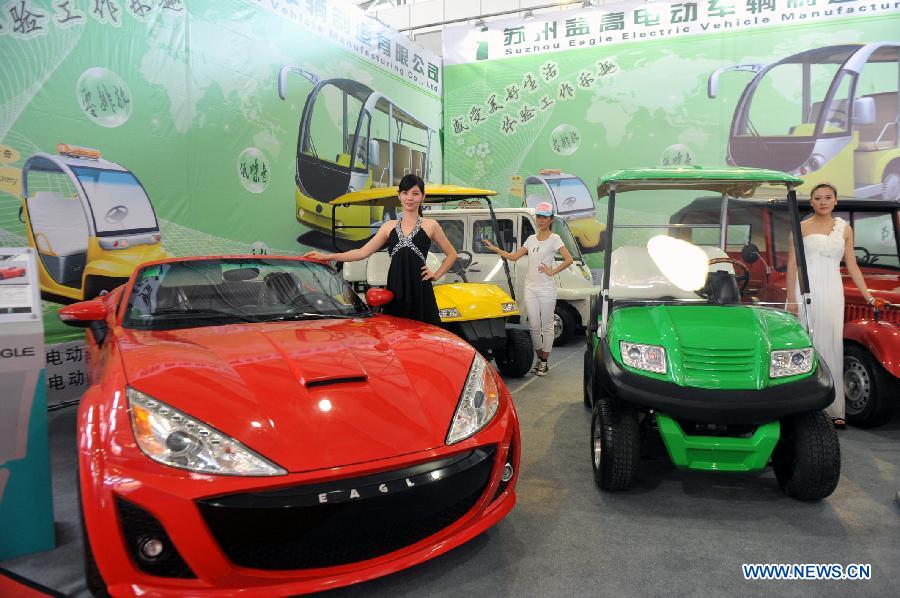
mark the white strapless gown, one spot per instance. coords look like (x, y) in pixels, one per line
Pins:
(823, 263)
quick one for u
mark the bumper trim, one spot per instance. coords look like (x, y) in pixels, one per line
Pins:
(714, 406)
(391, 482)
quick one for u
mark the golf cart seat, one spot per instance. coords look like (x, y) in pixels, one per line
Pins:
(378, 264)
(634, 275)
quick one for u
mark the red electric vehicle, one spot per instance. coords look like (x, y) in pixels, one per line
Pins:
(11, 272)
(253, 428)
(757, 232)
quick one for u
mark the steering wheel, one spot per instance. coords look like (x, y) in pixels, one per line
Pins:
(867, 257)
(116, 214)
(838, 117)
(463, 261)
(744, 279)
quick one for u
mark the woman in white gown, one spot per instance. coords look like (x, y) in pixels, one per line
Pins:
(826, 241)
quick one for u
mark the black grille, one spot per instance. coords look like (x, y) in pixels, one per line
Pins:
(139, 526)
(291, 529)
(484, 335)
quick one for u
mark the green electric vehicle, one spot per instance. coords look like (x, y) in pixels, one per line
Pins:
(679, 346)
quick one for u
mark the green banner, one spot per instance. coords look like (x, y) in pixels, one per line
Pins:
(790, 86)
(135, 130)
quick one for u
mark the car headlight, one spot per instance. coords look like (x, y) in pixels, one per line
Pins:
(511, 306)
(651, 358)
(478, 403)
(176, 439)
(450, 312)
(790, 362)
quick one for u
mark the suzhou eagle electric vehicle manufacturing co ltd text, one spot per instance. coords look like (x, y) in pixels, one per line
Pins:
(253, 428)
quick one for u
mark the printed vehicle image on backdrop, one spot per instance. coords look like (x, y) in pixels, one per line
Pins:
(636, 84)
(114, 149)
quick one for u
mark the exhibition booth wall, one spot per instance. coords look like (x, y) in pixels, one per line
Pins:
(640, 84)
(131, 131)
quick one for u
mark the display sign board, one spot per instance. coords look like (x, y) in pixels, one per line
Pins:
(26, 507)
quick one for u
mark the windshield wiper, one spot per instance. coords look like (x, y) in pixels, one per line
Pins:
(313, 316)
(203, 313)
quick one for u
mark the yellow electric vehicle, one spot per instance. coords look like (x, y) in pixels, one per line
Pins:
(483, 314)
(90, 221)
(351, 138)
(828, 115)
(572, 201)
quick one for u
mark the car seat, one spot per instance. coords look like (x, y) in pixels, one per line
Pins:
(282, 288)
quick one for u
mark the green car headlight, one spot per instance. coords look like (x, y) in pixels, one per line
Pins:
(790, 362)
(651, 358)
(450, 312)
(176, 439)
(508, 307)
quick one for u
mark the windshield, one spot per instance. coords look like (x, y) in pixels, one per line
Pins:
(787, 99)
(667, 247)
(228, 291)
(332, 125)
(571, 195)
(560, 227)
(118, 201)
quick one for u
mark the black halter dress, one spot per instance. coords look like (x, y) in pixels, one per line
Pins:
(413, 297)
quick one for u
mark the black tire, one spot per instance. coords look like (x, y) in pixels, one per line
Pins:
(568, 322)
(807, 459)
(870, 393)
(586, 376)
(92, 578)
(516, 358)
(615, 445)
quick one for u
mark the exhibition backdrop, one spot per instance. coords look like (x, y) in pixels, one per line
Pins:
(186, 99)
(589, 91)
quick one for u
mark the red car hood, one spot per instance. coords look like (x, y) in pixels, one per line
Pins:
(313, 394)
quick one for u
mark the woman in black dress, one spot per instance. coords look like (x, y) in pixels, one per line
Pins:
(408, 240)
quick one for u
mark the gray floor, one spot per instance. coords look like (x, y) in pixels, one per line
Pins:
(677, 533)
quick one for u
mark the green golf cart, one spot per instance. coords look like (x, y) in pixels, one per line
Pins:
(680, 346)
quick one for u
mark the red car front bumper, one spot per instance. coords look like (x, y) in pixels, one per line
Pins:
(202, 519)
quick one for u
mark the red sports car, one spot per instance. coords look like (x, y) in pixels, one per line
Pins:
(11, 272)
(252, 426)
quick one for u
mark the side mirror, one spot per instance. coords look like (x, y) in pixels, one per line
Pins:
(378, 297)
(749, 253)
(374, 152)
(864, 111)
(83, 314)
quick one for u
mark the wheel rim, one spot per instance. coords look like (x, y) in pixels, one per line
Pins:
(857, 386)
(557, 326)
(891, 187)
(597, 447)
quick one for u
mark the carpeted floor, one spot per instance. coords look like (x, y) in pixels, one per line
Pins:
(677, 533)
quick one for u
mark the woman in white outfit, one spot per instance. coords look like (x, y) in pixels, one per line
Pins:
(826, 241)
(540, 287)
